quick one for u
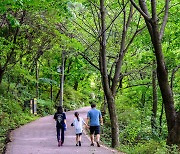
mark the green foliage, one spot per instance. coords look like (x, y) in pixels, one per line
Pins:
(74, 99)
(149, 147)
(45, 107)
(12, 116)
(37, 31)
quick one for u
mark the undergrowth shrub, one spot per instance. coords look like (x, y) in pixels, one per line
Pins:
(149, 147)
(45, 107)
(12, 116)
(74, 99)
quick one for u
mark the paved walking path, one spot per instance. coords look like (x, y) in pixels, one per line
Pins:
(39, 137)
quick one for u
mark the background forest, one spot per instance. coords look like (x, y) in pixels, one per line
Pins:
(110, 59)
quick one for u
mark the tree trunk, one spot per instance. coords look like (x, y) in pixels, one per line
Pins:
(37, 81)
(62, 79)
(154, 108)
(104, 108)
(1, 74)
(162, 75)
(76, 85)
(174, 135)
(105, 80)
(114, 122)
(160, 119)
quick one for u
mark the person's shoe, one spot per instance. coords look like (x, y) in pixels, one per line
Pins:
(79, 143)
(92, 144)
(98, 145)
(76, 144)
(59, 143)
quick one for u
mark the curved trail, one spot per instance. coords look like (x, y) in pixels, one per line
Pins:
(39, 137)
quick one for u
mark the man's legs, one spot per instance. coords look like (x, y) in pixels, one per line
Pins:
(92, 139)
(92, 130)
(97, 137)
(97, 133)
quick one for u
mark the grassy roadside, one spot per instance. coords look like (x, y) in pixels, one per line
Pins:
(12, 116)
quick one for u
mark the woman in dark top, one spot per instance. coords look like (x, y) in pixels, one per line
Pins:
(60, 118)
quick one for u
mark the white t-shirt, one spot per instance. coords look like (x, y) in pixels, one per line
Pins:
(78, 125)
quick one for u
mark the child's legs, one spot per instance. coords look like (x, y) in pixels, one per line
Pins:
(77, 138)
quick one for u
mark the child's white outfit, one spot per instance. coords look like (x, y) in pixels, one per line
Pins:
(78, 125)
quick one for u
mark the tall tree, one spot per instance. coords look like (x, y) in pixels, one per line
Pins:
(156, 34)
(114, 42)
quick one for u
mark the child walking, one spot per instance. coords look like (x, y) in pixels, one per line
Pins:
(60, 118)
(78, 124)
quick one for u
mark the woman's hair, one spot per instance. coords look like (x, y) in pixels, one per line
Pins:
(77, 115)
(59, 109)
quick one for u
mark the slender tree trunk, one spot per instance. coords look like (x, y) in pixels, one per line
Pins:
(162, 75)
(51, 86)
(105, 81)
(173, 75)
(104, 108)
(160, 119)
(154, 108)
(51, 93)
(1, 74)
(62, 79)
(76, 85)
(37, 81)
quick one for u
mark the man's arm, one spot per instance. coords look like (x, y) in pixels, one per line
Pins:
(101, 120)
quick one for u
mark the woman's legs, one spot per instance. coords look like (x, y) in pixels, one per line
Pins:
(58, 133)
(62, 135)
(58, 136)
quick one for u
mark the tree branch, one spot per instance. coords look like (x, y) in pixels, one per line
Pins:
(142, 84)
(106, 28)
(141, 11)
(164, 19)
(94, 19)
(153, 10)
(88, 60)
(173, 74)
(84, 29)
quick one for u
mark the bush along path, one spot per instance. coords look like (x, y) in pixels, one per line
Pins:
(39, 137)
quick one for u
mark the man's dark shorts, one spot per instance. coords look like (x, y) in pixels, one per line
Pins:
(95, 130)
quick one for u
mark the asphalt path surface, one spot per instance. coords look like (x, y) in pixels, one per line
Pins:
(39, 137)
